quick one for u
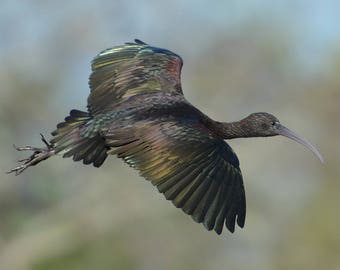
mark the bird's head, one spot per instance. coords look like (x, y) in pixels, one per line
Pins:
(265, 124)
(261, 124)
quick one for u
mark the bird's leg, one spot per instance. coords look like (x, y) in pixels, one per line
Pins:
(39, 154)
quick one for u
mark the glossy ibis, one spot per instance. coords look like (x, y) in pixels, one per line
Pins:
(136, 110)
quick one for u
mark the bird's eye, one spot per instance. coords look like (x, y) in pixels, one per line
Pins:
(273, 123)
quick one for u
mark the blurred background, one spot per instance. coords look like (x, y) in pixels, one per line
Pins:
(240, 57)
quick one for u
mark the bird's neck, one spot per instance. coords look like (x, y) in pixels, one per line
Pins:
(231, 130)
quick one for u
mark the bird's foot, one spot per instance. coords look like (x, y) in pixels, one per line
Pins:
(39, 154)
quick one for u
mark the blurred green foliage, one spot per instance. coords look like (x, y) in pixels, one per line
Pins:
(91, 255)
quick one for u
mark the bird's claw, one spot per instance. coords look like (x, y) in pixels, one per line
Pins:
(39, 154)
(19, 169)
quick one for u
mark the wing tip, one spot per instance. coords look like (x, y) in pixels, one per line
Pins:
(136, 41)
(240, 220)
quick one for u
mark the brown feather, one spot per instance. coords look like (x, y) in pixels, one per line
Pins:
(195, 170)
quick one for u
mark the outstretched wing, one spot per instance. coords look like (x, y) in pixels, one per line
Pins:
(132, 69)
(194, 169)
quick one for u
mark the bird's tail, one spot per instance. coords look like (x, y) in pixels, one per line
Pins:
(71, 139)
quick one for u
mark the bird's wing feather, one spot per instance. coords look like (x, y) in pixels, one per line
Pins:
(132, 69)
(194, 169)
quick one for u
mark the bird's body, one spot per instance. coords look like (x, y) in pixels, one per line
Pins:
(137, 110)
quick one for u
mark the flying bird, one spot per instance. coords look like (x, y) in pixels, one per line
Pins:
(136, 110)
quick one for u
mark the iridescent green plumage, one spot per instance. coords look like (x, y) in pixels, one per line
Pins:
(129, 70)
(196, 170)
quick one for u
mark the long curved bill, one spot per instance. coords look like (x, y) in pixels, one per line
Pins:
(282, 130)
